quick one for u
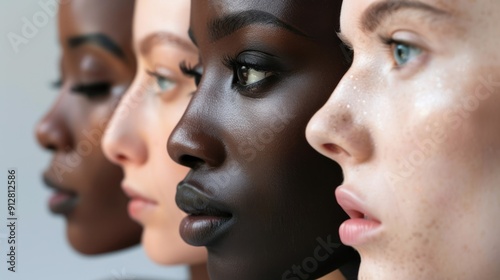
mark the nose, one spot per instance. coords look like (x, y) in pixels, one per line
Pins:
(123, 142)
(339, 130)
(53, 131)
(195, 142)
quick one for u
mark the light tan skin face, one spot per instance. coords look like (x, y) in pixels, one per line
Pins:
(148, 113)
(419, 143)
(73, 126)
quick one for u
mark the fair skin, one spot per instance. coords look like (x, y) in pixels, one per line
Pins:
(414, 126)
(148, 113)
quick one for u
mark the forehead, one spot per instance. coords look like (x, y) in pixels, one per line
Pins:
(111, 17)
(313, 17)
(170, 16)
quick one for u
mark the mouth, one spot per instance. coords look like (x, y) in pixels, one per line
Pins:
(207, 220)
(139, 206)
(62, 201)
(362, 225)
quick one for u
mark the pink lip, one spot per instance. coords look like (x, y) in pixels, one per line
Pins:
(139, 207)
(358, 229)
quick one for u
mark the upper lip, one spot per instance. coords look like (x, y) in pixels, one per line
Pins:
(133, 194)
(51, 184)
(193, 201)
(352, 205)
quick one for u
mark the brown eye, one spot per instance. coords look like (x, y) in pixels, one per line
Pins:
(248, 76)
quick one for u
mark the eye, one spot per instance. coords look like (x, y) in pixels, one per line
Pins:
(92, 90)
(249, 76)
(163, 83)
(404, 53)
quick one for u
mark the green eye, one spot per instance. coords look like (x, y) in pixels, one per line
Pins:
(165, 84)
(248, 76)
(404, 53)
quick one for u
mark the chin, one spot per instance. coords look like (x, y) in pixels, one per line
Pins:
(165, 247)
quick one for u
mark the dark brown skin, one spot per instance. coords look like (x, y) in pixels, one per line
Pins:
(275, 196)
(97, 219)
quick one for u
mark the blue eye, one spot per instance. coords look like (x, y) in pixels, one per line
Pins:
(164, 84)
(404, 53)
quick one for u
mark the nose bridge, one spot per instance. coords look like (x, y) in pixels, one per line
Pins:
(195, 141)
(53, 130)
(123, 138)
(340, 130)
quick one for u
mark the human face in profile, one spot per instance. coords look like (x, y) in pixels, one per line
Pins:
(143, 121)
(258, 196)
(97, 66)
(414, 125)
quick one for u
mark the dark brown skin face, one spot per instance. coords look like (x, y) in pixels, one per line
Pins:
(258, 196)
(97, 66)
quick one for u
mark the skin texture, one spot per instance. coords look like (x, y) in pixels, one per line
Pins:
(146, 116)
(419, 143)
(247, 149)
(72, 128)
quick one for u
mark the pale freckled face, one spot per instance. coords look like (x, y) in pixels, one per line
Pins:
(418, 139)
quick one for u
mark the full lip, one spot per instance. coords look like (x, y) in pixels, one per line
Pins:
(63, 201)
(362, 225)
(140, 205)
(207, 219)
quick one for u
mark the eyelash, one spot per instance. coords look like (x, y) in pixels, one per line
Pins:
(191, 72)
(234, 64)
(92, 90)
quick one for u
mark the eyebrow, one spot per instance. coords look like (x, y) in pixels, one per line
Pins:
(159, 38)
(228, 24)
(97, 39)
(378, 12)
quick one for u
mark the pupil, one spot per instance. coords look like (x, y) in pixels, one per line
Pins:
(243, 74)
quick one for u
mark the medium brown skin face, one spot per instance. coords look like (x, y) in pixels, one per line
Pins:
(259, 196)
(97, 66)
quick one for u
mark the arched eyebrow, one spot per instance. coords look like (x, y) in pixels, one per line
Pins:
(379, 12)
(100, 40)
(159, 38)
(228, 24)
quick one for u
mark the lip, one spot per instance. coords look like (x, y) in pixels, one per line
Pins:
(139, 206)
(62, 201)
(207, 220)
(362, 225)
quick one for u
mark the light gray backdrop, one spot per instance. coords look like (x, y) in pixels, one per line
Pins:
(25, 94)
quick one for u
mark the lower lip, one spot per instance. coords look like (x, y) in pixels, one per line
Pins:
(203, 230)
(355, 232)
(139, 209)
(62, 203)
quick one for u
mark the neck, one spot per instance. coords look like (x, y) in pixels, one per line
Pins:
(336, 275)
(199, 272)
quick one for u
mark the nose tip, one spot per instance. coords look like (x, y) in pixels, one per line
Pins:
(193, 147)
(335, 133)
(52, 133)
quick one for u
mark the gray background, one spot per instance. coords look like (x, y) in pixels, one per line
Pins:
(25, 94)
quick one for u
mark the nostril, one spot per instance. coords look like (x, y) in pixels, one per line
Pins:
(121, 158)
(190, 161)
(334, 149)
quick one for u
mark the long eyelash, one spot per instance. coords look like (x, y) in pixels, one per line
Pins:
(93, 90)
(191, 72)
(188, 70)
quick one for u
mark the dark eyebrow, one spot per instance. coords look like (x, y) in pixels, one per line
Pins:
(98, 39)
(159, 38)
(228, 24)
(380, 11)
